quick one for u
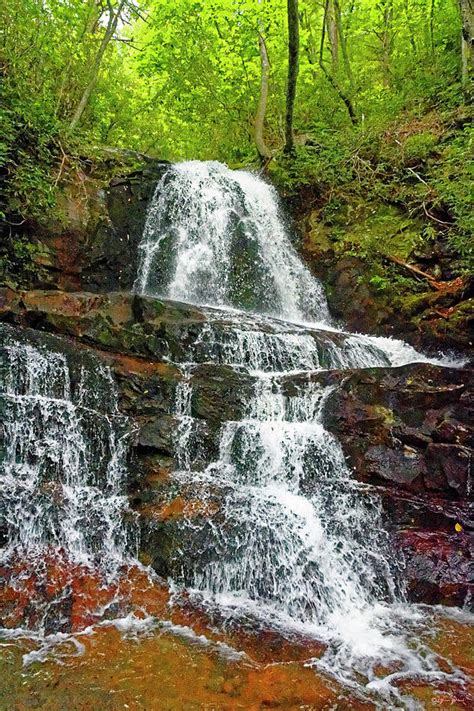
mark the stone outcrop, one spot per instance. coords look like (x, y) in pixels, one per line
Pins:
(406, 432)
(351, 251)
(432, 320)
(94, 247)
(409, 432)
(410, 426)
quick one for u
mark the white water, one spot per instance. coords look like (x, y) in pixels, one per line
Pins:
(63, 473)
(215, 236)
(292, 541)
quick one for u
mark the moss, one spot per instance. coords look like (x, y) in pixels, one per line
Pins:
(145, 558)
(158, 308)
(458, 319)
(373, 230)
(419, 146)
(318, 234)
(385, 413)
(28, 253)
(414, 303)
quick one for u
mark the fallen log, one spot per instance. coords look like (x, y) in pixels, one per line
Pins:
(410, 268)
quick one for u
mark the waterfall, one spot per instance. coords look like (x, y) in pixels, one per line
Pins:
(216, 236)
(63, 472)
(279, 533)
(291, 538)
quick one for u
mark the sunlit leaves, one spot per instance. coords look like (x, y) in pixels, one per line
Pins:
(181, 79)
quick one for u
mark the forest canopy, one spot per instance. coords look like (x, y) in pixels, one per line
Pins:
(183, 79)
(212, 79)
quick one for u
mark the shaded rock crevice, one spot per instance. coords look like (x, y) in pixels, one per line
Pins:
(93, 243)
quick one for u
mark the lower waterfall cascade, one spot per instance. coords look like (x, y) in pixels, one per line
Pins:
(62, 498)
(297, 541)
(54, 428)
(291, 541)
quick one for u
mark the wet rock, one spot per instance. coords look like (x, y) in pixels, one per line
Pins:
(393, 423)
(454, 432)
(439, 567)
(411, 436)
(424, 511)
(220, 393)
(150, 478)
(403, 466)
(163, 535)
(450, 468)
(138, 326)
(162, 435)
(157, 433)
(408, 431)
(145, 387)
(78, 360)
(119, 322)
(97, 247)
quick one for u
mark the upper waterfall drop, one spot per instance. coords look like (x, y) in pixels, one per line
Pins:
(216, 237)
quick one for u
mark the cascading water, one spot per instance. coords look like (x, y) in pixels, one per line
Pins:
(296, 539)
(63, 471)
(292, 539)
(216, 236)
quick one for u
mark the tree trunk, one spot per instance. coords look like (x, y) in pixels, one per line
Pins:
(432, 13)
(410, 27)
(386, 39)
(342, 40)
(293, 66)
(346, 99)
(467, 44)
(114, 16)
(262, 149)
(331, 24)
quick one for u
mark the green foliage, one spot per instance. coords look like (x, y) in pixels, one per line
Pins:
(419, 147)
(453, 179)
(379, 283)
(181, 80)
(31, 190)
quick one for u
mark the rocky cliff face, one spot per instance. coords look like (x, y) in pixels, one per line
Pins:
(407, 432)
(93, 247)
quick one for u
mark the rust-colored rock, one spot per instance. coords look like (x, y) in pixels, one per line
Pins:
(439, 566)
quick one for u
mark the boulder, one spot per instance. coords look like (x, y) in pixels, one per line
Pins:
(408, 432)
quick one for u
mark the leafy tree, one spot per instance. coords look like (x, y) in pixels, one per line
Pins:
(467, 42)
(217, 79)
(114, 16)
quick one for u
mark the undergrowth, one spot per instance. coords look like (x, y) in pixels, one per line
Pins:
(402, 188)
